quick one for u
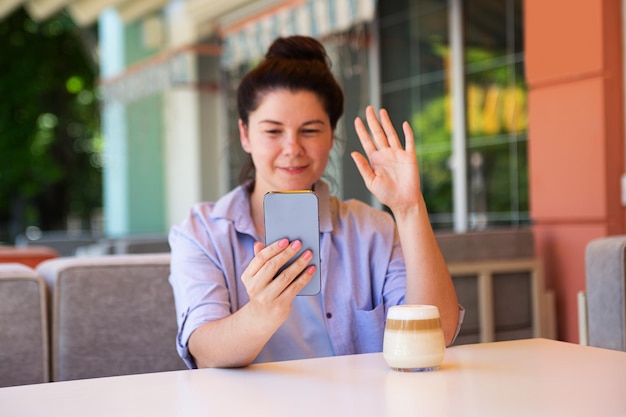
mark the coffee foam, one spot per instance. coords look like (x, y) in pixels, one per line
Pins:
(413, 312)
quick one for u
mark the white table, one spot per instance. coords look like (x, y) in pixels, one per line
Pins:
(535, 377)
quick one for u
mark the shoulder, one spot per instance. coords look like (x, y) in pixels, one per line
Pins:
(197, 224)
(229, 212)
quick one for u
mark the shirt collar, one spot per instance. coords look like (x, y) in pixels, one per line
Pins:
(235, 207)
(323, 195)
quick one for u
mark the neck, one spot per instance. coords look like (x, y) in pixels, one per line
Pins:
(256, 207)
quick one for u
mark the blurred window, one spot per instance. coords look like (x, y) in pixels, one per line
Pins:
(417, 60)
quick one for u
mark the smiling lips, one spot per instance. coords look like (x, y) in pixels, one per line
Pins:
(294, 170)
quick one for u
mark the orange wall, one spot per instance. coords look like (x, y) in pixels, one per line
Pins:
(576, 138)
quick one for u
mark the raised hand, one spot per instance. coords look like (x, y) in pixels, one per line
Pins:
(392, 173)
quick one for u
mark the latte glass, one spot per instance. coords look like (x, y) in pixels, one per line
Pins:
(413, 339)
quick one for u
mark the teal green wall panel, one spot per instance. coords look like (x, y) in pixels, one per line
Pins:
(146, 170)
(135, 50)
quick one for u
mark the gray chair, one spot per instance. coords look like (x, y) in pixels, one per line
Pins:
(605, 264)
(23, 326)
(142, 244)
(126, 245)
(111, 315)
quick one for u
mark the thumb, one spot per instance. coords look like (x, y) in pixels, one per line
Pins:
(364, 167)
(258, 247)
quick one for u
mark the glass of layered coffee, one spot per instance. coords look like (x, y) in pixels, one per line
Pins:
(413, 339)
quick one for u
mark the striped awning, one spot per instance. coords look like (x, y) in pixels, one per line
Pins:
(318, 18)
(170, 69)
(83, 12)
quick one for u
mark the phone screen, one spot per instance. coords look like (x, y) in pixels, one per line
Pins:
(295, 215)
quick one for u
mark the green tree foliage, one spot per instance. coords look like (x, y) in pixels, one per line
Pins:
(50, 139)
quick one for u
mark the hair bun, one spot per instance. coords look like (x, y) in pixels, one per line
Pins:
(298, 47)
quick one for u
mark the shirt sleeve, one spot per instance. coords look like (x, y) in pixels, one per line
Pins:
(198, 282)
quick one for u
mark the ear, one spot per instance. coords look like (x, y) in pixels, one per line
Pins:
(243, 137)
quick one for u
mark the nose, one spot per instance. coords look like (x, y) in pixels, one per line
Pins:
(292, 145)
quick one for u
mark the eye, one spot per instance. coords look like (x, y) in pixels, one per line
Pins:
(310, 131)
(272, 132)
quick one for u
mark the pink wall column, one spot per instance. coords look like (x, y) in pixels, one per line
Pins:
(576, 138)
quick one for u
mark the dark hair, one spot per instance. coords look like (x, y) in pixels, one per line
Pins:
(293, 63)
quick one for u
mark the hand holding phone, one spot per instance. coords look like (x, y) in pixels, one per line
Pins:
(295, 215)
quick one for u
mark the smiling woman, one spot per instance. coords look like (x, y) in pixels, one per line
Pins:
(289, 137)
(236, 297)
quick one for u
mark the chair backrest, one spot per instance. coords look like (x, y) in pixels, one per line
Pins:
(142, 244)
(24, 355)
(605, 266)
(111, 315)
(126, 245)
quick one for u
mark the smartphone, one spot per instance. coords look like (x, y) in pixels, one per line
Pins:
(295, 215)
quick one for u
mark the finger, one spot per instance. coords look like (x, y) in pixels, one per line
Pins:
(266, 264)
(291, 276)
(258, 247)
(300, 282)
(408, 137)
(378, 133)
(262, 256)
(270, 270)
(363, 167)
(390, 131)
(364, 137)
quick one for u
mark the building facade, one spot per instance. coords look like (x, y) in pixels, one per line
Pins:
(564, 134)
(518, 106)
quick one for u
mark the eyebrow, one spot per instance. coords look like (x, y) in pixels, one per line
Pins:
(307, 123)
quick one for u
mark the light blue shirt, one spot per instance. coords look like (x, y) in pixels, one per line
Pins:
(362, 273)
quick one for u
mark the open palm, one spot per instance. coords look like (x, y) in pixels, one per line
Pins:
(392, 173)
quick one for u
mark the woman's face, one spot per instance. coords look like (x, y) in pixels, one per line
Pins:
(289, 138)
